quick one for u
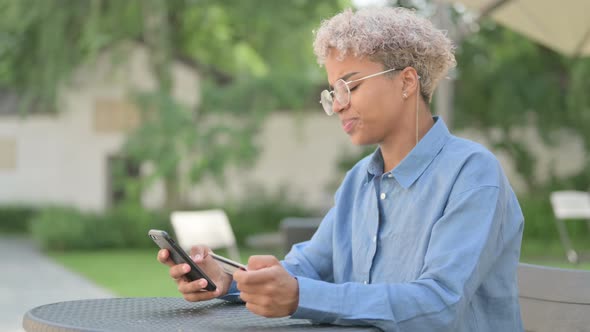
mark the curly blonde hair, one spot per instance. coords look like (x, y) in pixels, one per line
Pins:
(395, 37)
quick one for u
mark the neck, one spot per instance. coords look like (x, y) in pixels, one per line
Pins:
(395, 149)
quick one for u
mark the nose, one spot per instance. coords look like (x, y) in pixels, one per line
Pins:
(337, 107)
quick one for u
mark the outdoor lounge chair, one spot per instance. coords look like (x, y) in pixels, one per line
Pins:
(295, 230)
(569, 205)
(208, 227)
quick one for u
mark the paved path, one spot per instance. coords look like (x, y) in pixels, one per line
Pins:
(29, 279)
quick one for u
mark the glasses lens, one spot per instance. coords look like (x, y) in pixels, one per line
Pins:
(327, 102)
(341, 93)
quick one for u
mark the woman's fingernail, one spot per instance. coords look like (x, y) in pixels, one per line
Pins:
(186, 268)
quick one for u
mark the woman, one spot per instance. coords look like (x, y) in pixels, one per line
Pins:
(425, 233)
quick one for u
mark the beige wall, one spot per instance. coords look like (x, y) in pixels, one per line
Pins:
(7, 154)
(63, 159)
(299, 153)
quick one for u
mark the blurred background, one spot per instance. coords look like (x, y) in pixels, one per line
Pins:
(115, 113)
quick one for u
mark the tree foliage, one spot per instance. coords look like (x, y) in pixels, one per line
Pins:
(506, 81)
(253, 57)
(41, 42)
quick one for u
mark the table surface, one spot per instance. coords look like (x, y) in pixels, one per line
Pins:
(160, 314)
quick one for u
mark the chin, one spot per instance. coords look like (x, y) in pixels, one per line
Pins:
(361, 141)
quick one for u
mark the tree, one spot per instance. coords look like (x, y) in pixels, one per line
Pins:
(254, 57)
(506, 81)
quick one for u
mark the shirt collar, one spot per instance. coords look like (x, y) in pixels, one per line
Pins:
(416, 162)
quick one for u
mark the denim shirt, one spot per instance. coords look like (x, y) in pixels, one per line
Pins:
(432, 245)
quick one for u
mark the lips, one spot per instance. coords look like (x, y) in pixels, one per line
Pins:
(349, 124)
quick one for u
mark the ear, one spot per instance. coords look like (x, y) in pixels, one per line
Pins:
(410, 81)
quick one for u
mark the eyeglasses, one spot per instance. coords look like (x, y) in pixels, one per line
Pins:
(342, 93)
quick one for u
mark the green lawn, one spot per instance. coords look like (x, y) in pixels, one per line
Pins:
(551, 253)
(131, 273)
(128, 273)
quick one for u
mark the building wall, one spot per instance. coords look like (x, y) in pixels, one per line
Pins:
(299, 154)
(63, 159)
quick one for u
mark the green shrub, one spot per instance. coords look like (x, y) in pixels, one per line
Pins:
(540, 223)
(133, 223)
(538, 217)
(263, 212)
(15, 219)
(62, 228)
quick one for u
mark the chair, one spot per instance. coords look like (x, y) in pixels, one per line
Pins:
(569, 205)
(295, 230)
(553, 299)
(208, 227)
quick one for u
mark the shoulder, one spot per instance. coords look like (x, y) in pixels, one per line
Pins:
(467, 150)
(472, 164)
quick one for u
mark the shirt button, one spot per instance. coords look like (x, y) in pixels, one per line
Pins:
(389, 175)
(365, 282)
(383, 195)
(375, 238)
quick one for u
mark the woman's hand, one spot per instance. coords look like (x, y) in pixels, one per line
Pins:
(195, 290)
(267, 288)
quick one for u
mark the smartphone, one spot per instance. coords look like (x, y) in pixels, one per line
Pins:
(227, 264)
(178, 256)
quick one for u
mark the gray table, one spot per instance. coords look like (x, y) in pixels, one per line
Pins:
(160, 314)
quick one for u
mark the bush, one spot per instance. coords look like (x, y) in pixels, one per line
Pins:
(263, 212)
(61, 228)
(539, 223)
(15, 219)
(133, 223)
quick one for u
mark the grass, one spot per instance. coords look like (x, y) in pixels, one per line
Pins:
(551, 253)
(128, 273)
(133, 273)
